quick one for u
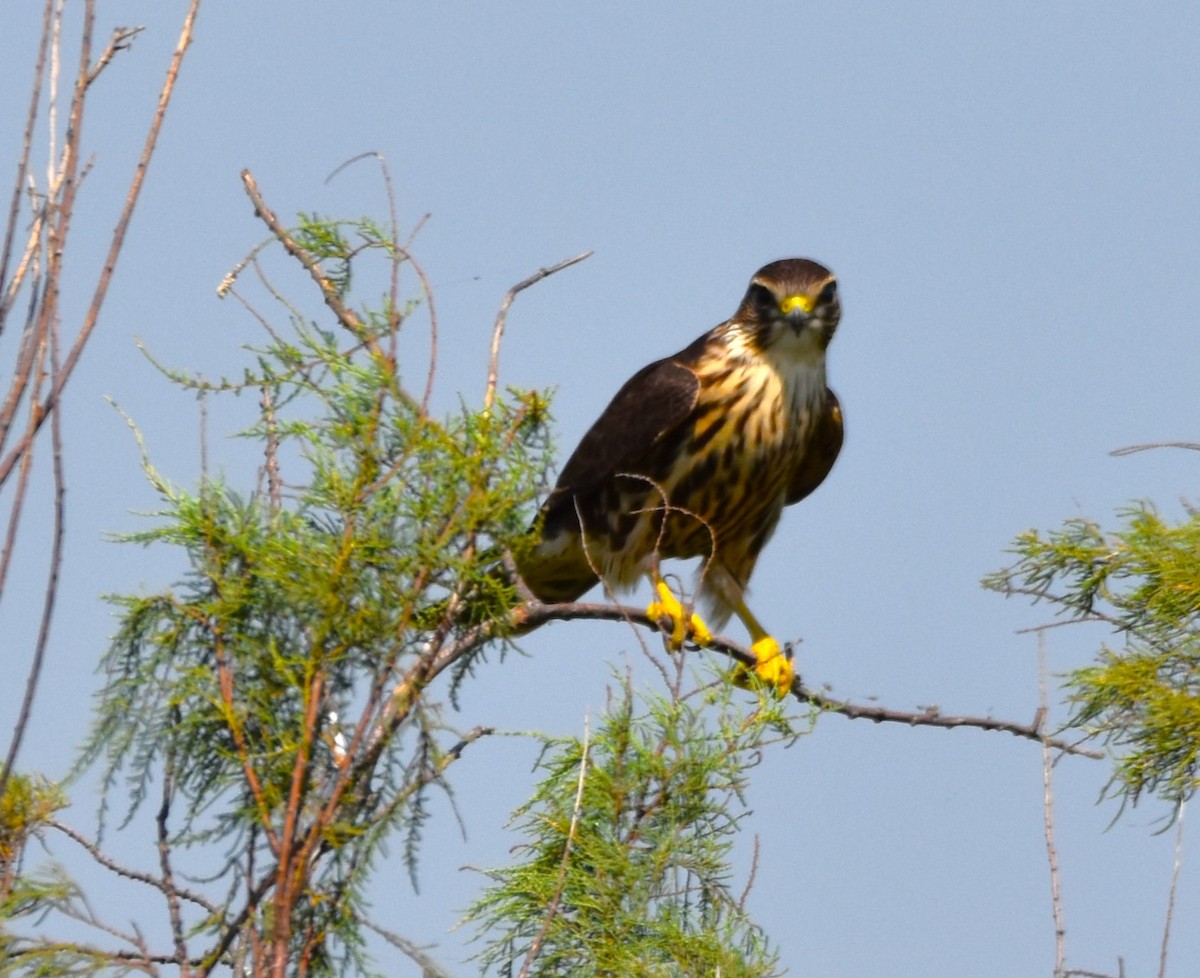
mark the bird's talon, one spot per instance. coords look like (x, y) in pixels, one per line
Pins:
(773, 666)
(699, 631)
(682, 625)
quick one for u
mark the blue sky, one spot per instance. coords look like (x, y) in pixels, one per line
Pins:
(1008, 194)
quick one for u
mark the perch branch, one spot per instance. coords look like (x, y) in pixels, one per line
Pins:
(533, 614)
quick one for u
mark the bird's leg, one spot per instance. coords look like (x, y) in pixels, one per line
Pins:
(773, 666)
(683, 625)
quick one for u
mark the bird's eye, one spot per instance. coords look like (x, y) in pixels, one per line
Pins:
(763, 297)
(828, 294)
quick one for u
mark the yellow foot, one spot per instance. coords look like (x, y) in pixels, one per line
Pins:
(683, 625)
(773, 667)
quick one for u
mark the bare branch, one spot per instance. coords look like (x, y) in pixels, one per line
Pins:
(137, 876)
(402, 252)
(66, 205)
(163, 839)
(346, 316)
(1060, 931)
(489, 396)
(121, 40)
(271, 449)
(1131, 449)
(532, 614)
(56, 551)
(1178, 865)
(429, 967)
(8, 290)
(552, 909)
(750, 876)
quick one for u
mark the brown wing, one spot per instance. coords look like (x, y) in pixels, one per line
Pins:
(650, 406)
(822, 451)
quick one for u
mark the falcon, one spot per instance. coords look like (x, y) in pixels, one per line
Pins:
(696, 456)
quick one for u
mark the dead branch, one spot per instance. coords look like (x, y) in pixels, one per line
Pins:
(137, 876)
(1056, 906)
(498, 329)
(429, 967)
(345, 315)
(1131, 449)
(532, 614)
(163, 841)
(121, 40)
(50, 595)
(1173, 891)
(535, 945)
(9, 289)
(65, 208)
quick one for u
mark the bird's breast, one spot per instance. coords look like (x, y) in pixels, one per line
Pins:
(750, 428)
(757, 409)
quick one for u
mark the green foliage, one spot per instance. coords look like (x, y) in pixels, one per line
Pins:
(1142, 697)
(27, 805)
(625, 871)
(274, 713)
(277, 693)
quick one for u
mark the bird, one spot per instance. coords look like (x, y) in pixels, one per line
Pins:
(696, 456)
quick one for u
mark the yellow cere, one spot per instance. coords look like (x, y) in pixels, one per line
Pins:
(793, 302)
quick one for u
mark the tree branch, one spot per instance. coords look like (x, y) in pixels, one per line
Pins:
(65, 208)
(345, 315)
(162, 886)
(532, 614)
(1131, 449)
(498, 329)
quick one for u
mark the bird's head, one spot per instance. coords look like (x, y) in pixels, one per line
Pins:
(791, 302)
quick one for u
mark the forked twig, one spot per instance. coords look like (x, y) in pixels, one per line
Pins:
(489, 396)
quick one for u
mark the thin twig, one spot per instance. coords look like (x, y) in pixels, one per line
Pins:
(66, 204)
(429, 967)
(163, 838)
(750, 876)
(402, 252)
(271, 449)
(585, 546)
(121, 40)
(202, 398)
(1175, 870)
(1060, 931)
(346, 316)
(137, 876)
(51, 593)
(9, 290)
(552, 910)
(489, 396)
(1131, 449)
(394, 315)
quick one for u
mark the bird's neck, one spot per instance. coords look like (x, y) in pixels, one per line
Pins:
(797, 360)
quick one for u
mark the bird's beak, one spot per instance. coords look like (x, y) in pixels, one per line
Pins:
(797, 307)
